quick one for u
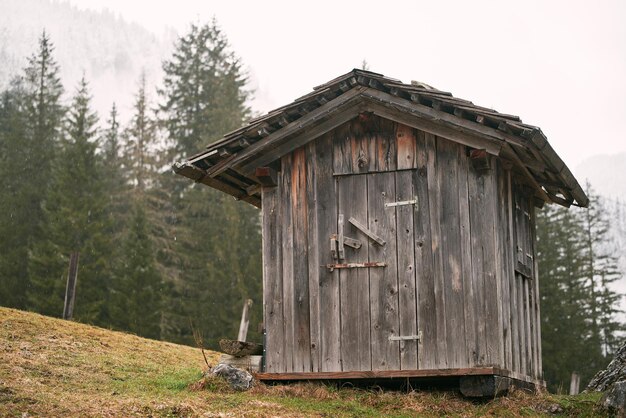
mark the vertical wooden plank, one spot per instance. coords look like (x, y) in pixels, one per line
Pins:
(313, 249)
(434, 196)
(355, 296)
(492, 287)
(383, 281)
(477, 204)
(447, 154)
(466, 260)
(273, 321)
(503, 228)
(522, 295)
(360, 149)
(386, 145)
(539, 373)
(371, 136)
(532, 307)
(529, 335)
(538, 363)
(512, 251)
(531, 325)
(405, 215)
(329, 324)
(427, 316)
(342, 149)
(405, 143)
(498, 335)
(302, 333)
(521, 310)
(288, 261)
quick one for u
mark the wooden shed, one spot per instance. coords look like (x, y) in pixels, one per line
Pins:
(398, 231)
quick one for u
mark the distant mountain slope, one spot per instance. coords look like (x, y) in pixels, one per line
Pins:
(111, 51)
(606, 173)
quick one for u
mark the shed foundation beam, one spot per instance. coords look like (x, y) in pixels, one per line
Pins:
(484, 386)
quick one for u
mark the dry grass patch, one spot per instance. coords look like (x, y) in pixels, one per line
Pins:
(50, 367)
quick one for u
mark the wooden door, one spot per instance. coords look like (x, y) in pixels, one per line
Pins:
(378, 289)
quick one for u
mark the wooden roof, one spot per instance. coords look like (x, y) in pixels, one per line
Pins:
(229, 164)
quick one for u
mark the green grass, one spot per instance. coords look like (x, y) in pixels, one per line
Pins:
(50, 367)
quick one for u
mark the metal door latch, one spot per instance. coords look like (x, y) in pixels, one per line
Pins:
(417, 337)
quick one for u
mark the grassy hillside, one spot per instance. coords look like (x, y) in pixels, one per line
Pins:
(50, 367)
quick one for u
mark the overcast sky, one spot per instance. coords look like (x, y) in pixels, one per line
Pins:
(560, 65)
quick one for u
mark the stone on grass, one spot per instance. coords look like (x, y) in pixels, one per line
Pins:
(614, 372)
(237, 379)
(614, 399)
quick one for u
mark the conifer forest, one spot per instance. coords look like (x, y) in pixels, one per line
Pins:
(163, 258)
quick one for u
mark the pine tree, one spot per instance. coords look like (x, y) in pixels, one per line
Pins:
(139, 278)
(578, 307)
(14, 179)
(75, 221)
(113, 169)
(601, 271)
(203, 89)
(564, 304)
(35, 118)
(138, 300)
(204, 97)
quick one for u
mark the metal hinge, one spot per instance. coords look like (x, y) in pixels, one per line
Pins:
(332, 267)
(401, 203)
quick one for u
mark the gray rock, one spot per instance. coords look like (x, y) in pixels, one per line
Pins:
(614, 372)
(237, 379)
(614, 400)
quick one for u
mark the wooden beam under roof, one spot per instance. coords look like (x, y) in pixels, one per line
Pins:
(198, 175)
(295, 126)
(285, 145)
(442, 117)
(470, 140)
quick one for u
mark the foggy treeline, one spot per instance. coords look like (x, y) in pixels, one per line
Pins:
(160, 256)
(578, 267)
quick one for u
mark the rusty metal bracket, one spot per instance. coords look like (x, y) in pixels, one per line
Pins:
(332, 267)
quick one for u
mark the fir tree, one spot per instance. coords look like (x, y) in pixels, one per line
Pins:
(139, 278)
(111, 145)
(578, 308)
(137, 303)
(35, 114)
(601, 271)
(75, 221)
(15, 225)
(564, 307)
(113, 169)
(203, 89)
(204, 97)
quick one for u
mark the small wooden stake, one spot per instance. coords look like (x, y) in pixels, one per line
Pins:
(574, 385)
(245, 321)
(70, 288)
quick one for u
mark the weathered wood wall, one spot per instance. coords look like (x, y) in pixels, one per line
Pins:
(452, 276)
